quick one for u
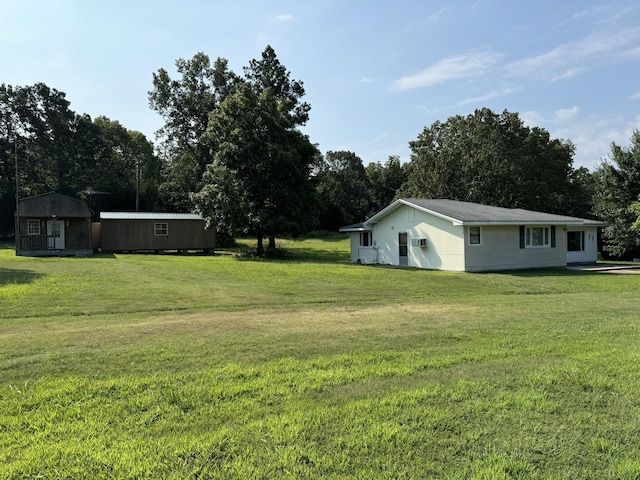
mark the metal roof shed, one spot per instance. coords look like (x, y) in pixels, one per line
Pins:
(152, 231)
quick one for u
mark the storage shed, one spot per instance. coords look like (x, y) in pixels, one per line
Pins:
(53, 225)
(157, 232)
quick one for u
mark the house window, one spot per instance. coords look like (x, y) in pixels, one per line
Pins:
(537, 237)
(161, 229)
(366, 239)
(575, 241)
(475, 237)
(33, 227)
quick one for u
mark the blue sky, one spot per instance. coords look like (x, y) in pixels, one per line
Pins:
(376, 73)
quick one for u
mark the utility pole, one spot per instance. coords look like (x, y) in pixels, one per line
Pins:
(137, 184)
(17, 232)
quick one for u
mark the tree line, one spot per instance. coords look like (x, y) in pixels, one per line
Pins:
(231, 148)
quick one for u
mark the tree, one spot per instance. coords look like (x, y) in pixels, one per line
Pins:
(491, 159)
(185, 105)
(59, 150)
(635, 208)
(342, 186)
(269, 74)
(617, 187)
(124, 165)
(385, 181)
(262, 162)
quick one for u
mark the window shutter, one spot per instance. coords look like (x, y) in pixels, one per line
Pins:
(521, 236)
(553, 236)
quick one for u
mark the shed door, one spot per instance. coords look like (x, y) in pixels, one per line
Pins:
(55, 232)
(402, 249)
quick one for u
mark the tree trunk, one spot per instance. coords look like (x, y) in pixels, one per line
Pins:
(272, 241)
(260, 249)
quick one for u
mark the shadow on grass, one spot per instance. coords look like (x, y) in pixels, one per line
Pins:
(542, 272)
(12, 276)
(4, 245)
(283, 255)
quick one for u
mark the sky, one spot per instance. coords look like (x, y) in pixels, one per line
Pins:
(376, 73)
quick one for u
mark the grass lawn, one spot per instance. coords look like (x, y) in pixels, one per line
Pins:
(175, 367)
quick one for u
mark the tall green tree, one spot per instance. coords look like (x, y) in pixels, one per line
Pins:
(493, 159)
(385, 181)
(343, 190)
(617, 187)
(185, 105)
(262, 161)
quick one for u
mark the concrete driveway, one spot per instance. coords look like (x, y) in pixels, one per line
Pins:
(607, 268)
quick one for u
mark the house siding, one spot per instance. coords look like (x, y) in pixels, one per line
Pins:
(590, 252)
(444, 249)
(437, 234)
(500, 250)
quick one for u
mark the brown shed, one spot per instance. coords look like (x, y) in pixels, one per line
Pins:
(53, 225)
(159, 232)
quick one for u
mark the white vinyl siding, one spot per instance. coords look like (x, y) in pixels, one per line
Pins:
(500, 250)
(589, 247)
(444, 242)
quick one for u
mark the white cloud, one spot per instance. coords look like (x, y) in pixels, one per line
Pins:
(593, 136)
(284, 17)
(564, 114)
(635, 96)
(468, 65)
(570, 72)
(434, 18)
(531, 118)
(490, 95)
(570, 59)
(365, 80)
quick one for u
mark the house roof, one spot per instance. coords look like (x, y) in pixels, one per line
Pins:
(148, 216)
(50, 204)
(356, 227)
(467, 213)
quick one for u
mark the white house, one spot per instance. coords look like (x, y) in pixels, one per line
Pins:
(469, 237)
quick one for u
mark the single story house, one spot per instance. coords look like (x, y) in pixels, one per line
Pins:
(53, 225)
(158, 232)
(469, 237)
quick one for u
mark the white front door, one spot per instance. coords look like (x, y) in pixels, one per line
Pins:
(55, 232)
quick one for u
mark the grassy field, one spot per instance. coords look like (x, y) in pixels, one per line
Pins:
(176, 367)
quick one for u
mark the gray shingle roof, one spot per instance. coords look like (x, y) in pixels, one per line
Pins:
(475, 213)
(148, 216)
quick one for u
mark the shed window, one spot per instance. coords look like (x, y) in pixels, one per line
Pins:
(475, 237)
(366, 239)
(33, 227)
(161, 229)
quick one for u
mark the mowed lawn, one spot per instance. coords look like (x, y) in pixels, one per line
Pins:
(177, 367)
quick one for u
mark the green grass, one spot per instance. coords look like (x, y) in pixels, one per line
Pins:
(143, 366)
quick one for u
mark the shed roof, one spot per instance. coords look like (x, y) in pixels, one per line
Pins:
(467, 213)
(50, 204)
(148, 216)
